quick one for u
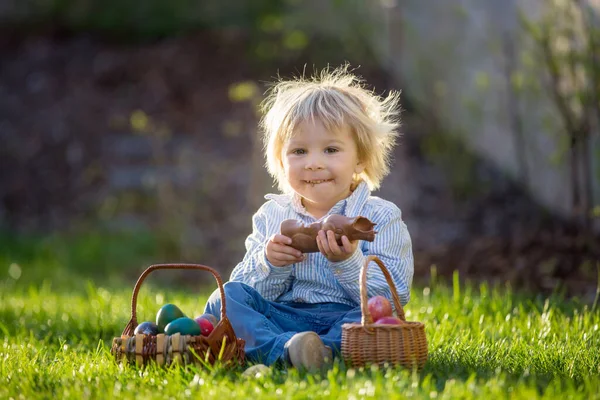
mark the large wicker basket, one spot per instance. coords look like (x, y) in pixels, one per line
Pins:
(368, 343)
(221, 345)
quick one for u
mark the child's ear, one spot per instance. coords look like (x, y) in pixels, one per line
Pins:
(360, 167)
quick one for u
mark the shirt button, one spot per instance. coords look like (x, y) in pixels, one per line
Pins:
(338, 271)
(299, 300)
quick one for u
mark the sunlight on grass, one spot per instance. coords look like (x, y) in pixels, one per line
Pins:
(483, 341)
(58, 344)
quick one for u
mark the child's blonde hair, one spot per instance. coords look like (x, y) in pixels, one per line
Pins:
(337, 99)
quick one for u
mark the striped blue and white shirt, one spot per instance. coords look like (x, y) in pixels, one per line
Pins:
(316, 279)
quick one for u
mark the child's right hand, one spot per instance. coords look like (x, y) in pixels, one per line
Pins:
(280, 253)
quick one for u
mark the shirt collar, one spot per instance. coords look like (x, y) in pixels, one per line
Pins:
(350, 206)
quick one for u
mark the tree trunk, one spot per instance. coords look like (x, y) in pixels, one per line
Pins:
(586, 165)
(514, 113)
(575, 186)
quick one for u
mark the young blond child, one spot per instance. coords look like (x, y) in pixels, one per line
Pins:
(328, 143)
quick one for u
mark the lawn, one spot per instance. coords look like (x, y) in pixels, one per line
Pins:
(57, 324)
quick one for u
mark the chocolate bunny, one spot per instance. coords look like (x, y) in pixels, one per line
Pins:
(304, 237)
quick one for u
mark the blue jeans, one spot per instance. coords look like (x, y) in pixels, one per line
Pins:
(267, 325)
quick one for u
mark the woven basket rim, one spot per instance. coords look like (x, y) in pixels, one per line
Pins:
(146, 334)
(403, 325)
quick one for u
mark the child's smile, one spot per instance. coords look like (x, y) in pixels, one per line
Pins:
(320, 165)
(317, 182)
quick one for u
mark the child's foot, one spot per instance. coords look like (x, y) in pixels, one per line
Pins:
(307, 351)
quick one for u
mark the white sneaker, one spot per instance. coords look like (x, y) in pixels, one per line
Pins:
(307, 351)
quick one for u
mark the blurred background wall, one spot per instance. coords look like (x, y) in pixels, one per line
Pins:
(482, 76)
(140, 116)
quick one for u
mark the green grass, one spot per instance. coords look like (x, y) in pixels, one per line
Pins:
(483, 341)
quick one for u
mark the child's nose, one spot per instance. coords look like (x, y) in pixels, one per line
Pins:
(313, 163)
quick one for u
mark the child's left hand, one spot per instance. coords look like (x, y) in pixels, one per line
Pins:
(329, 248)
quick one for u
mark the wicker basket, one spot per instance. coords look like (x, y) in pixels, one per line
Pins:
(221, 345)
(368, 343)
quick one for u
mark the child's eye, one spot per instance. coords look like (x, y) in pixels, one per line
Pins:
(298, 151)
(331, 150)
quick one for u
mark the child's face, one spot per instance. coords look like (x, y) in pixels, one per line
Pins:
(319, 165)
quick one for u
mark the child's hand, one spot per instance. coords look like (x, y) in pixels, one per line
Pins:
(330, 249)
(280, 254)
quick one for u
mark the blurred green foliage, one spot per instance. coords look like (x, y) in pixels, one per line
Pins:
(565, 39)
(140, 19)
(273, 29)
(67, 259)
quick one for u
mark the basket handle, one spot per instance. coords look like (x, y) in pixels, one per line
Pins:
(130, 327)
(367, 319)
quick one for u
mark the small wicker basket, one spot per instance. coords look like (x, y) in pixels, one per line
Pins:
(368, 343)
(221, 345)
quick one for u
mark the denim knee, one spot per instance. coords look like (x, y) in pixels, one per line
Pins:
(231, 289)
(234, 289)
(235, 292)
